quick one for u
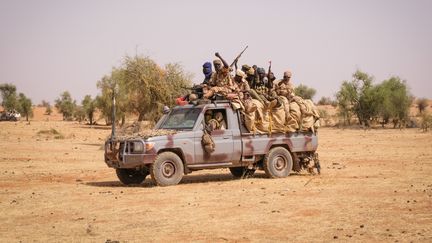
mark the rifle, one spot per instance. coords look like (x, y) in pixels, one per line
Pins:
(269, 70)
(269, 79)
(238, 57)
(235, 60)
(196, 89)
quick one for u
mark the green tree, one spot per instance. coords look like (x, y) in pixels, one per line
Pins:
(304, 91)
(141, 87)
(393, 100)
(104, 101)
(358, 96)
(47, 106)
(79, 114)
(345, 97)
(422, 103)
(66, 105)
(89, 107)
(9, 97)
(25, 106)
(149, 86)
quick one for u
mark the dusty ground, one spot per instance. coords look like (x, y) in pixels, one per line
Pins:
(376, 185)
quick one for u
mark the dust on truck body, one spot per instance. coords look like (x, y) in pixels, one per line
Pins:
(168, 157)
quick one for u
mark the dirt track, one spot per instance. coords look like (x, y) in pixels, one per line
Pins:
(376, 186)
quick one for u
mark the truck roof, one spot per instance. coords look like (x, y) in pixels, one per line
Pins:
(203, 104)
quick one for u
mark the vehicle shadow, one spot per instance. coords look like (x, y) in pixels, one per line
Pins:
(188, 179)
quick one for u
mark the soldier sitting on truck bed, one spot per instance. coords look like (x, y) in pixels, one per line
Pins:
(221, 81)
(285, 87)
(260, 91)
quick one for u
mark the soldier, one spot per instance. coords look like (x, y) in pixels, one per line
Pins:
(219, 117)
(217, 122)
(208, 116)
(260, 91)
(208, 73)
(242, 85)
(250, 76)
(261, 78)
(245, 68)
(285, 87)
(270, 77)
(221, 81)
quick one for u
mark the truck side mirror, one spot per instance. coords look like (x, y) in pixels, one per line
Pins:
(166, 110)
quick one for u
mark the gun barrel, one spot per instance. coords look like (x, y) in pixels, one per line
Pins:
(238, 57)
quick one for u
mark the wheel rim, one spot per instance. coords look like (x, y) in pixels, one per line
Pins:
(280, 163)
(168, 169)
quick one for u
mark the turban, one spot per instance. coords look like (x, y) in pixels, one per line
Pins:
(207, 65)
(261, 70)
(240, 73)
(217, 61)
(287, 74)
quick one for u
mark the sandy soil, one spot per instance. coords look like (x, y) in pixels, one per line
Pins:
(375, 186)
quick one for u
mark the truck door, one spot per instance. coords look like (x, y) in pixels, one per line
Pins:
(222, 136)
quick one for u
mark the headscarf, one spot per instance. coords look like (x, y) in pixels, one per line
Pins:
(207, 69)
(261, 70)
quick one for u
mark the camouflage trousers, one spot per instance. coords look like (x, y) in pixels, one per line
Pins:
(224, 91)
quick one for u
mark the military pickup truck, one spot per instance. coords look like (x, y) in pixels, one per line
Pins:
(180, 151)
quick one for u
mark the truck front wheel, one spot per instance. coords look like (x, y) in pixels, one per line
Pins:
(278, 163)
(167, 169)
(131, 176)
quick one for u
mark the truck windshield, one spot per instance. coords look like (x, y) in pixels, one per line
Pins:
(183, 118)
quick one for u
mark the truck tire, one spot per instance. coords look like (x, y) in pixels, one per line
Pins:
(278, 163)
(167, 169)
(241, 172)
(131, 176)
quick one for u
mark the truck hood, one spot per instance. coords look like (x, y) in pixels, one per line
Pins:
(147, 134)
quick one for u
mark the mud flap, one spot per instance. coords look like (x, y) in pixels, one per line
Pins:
(296, 163)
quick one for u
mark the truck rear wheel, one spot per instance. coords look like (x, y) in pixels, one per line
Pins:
(131, 176)
(241, 172)
(278, 163)
(167, 169)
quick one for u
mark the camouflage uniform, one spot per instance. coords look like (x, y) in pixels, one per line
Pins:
(220, 82)
(261, 92)
(285, 87)
(241, 85)
(243, 92)
(250, 74)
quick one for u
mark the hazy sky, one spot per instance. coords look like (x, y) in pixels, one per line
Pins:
(47, 47)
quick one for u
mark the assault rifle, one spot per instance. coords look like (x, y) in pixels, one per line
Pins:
(238, 57)
(235, 60)
(270, 77)
(196, 89)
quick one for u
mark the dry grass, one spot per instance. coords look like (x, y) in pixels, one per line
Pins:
(51, 133)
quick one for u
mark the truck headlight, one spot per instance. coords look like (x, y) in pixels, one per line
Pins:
(138, 147)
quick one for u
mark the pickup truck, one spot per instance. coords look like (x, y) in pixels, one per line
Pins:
(168, 157)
